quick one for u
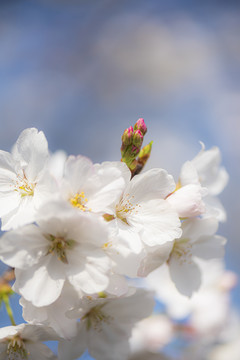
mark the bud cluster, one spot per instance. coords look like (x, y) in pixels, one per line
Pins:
(132, 140)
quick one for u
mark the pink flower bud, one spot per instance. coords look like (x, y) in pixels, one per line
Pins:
(140, 125)
(137, 139)
(127, 136)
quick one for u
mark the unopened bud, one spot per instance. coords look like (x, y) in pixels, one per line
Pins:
(137, 139)
(127, 136)
(140, 125)
(132, 140)
(145, 153)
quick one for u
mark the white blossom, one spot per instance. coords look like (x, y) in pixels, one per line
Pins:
(142, 219)
(205, 169)
(198, 241)
(24, 342)
(24, 181)
(64, 245)
(93, 188)
(105, 326)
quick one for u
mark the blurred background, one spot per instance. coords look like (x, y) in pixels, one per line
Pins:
(82, 71)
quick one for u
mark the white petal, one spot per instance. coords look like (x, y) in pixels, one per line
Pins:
(9, 201)
(187, 200)
(7, 163)
(77, 171)
(126, 251)
(38, 333)
(39, 351)
(32, 150)
(217, 186)
(110, 340)
(157, 221)
(211, 175)
(56, 164)
(188, 174)
(106, 186)
(90, 275)
(195, 228)
(8, 171)
(117, 285)
(153, 184)
(22, 215)
(23, 248)
(72, 349)
(185, 275)
(214, 208)
(154, 257)
(37, 285)
(9, 331)
(45, 189)
(54, 315)
(209, 247)
(130, 309)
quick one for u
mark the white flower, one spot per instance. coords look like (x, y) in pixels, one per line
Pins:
(24, 182)
(56, 163)
(24, 342)
(65, 245)
(211, 175)
(93, 188)
(205, 170)
(197, 241)
(105, 326)
(142, 217)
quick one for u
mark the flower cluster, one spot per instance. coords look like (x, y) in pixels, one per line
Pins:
(77, 235)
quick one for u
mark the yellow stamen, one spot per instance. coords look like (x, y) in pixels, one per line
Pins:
(79, 201)
(106, 245)
(23, 186)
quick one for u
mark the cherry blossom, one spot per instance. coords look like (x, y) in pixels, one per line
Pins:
(24, 181)
(198, 241)
(105, 326)
(63, 245)
(24, 341)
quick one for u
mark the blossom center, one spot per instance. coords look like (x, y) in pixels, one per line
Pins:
(24, 187)
(59, 245)
(16, 349)
(182, 249)
(79, 201)
(125, 208)
(94, 318)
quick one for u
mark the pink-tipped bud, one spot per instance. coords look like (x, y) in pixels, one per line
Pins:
(140, 125)
(137, 139)
(127, 136)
